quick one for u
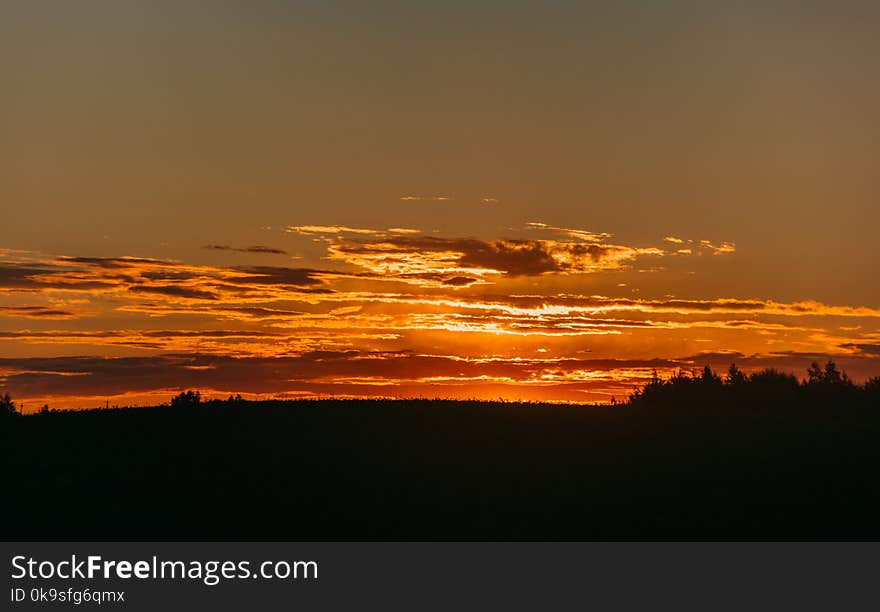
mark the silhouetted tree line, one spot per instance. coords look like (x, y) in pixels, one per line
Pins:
(7, 406)
(825, 386)
(194, 399)
(186, 399)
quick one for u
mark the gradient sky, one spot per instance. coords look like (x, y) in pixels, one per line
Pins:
(451, 199)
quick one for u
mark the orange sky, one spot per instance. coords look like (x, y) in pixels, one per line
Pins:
(555, 314)
(518, 201)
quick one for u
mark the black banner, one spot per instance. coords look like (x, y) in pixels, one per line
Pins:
(444, 576)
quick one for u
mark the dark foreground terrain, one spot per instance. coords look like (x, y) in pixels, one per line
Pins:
(706, 461)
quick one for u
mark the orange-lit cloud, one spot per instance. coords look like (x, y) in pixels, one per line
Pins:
(429, 254)
(393, 312)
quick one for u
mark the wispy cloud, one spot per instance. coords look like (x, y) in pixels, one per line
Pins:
(309, 230)
(175, 291)
(701, 246)
(578, 234)
(36, 312)
(724, 247)
(339, 230)
(264, 250)
(869, 349)
(425, 198)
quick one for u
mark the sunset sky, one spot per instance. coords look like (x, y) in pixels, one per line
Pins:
(487, 199)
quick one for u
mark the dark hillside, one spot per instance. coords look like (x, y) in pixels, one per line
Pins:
(704, 460)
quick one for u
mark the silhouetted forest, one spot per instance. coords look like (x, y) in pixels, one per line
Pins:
(698, 456)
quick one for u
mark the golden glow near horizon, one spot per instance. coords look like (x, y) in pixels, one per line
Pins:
(530, 202)
(430, 316)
